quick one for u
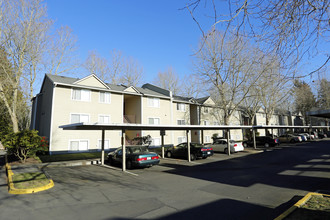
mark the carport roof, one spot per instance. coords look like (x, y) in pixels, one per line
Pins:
(320, 113)
(83, 126)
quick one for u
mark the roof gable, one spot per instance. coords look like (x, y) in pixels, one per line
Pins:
(93, 81)
(131, 89)
(206, 101)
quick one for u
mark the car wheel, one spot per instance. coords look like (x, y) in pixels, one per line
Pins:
(226, 151)
(204, 157)
(292, 141)
(266, 145)
(192, 157)
(169, 154)
(129, 164)
(245, 145)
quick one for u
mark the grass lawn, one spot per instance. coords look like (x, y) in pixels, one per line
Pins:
(29, 180)
(68, 157)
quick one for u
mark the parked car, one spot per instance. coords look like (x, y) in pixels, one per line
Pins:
(196, 150)
(309, 136)
(220, 145)
(289, 138)
(303, 137)
(265, 141)
(322, 135)
(136, 156)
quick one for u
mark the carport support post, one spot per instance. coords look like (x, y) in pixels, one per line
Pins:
(123, 149)
(188, 146)
(254, 138)
(102, 154)
(228, 143)
(163, 146)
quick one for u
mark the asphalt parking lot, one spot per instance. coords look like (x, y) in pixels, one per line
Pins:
(246, 185)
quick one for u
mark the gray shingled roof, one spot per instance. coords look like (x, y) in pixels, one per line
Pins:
(119, 88)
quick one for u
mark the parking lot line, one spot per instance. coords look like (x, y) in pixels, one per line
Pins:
(115, 168)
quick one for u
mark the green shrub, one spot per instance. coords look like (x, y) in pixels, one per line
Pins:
(25, 144)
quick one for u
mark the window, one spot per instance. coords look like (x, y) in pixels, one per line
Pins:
(155, 142)
(182, 139)
(207, 139)
(181, 107)
(181, 122)
(78, 145)
(153, 102)
(78, 118)
(105, 97)
(153, 121)
(206, 110)
(106, 144)
(81, 95)
(206, 123)
(104, 119)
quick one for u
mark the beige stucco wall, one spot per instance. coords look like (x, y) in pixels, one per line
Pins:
(163, 112)
(92, 82)
(64, 106)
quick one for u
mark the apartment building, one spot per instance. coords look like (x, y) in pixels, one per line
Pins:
(64, 100)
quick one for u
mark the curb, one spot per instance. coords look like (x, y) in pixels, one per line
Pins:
(13, 190)
(298, 204)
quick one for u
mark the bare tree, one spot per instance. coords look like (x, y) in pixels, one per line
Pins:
(62, 50)
(303, 98)
(95, 64)
(292, 29)
(169, 80)
(226, 68)
(323, 94)
(132, 72)
(22, 23)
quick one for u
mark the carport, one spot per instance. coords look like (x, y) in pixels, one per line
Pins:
(163, 128)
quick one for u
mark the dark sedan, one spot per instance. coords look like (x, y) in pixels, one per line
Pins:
(196, 151)
(136, 156)
(265, 141)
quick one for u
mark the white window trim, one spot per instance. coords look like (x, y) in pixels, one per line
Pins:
(103, 115)
(89, 117)
(69, 145)
(207, 138)
(181, 104)
(182, 137)
(90, 95)
(206, 122)
(153, 106)
(180, 120)
(100, 146)
(158, 138)
(100, 97)
(153, 118)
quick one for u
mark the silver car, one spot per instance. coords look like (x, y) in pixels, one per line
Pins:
(220, 145)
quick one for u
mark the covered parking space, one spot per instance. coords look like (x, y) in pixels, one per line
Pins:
(164, 128)
(161, 128)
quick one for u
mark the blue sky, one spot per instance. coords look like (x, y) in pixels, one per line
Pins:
(154, 32)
